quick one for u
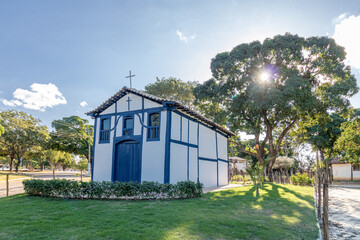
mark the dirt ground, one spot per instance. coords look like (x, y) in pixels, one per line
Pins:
(344, 213)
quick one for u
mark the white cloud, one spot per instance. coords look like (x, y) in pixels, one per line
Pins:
(339, 18)
(347, 34)
(40, 97)
(83, 104)
(184, 38)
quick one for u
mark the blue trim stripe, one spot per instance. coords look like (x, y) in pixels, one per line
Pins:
(167, 148)
(180, 128)
(134, 112)
(94, 143)
(198, 171)
(188, 153)
(183, 143)
(222, 160)
(208, 159)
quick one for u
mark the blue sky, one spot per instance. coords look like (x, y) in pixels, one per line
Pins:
(55, 55)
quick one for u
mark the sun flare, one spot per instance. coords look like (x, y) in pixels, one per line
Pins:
(264, 77)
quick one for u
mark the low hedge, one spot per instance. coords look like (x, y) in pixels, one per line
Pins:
(301, 179)
(63, 188)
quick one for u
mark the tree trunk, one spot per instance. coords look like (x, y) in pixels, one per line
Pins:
(54, 173)
(319, 185)
(42, 166)
(17, 164)
(325, 199)
(11, 164)
(81, 175)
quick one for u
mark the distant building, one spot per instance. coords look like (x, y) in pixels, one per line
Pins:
(140, 137)
(344, 171)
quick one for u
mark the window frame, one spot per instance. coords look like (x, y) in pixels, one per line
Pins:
(102, 131)
(127, 129)
(151, 128)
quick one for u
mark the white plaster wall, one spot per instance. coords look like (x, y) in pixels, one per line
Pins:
(223, 173)
(178, 162)
(356, 175)
(184, 136)
(241, 166)
(110, 109)
(175, 126)
(193, 132)
(150, 104)
(137, 124)
(103, 156)
(135, 103)
(222, 147)
(119, 126)
(207, 143)
(193, 164)
(153, 154)
(208, 173)
(341, 171)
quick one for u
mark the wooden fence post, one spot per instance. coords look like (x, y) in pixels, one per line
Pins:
(7, 185)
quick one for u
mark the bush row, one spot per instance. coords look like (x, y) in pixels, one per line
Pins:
(301, 179)
(111, 190)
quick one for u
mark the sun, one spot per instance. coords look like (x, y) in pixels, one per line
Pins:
(264, 76)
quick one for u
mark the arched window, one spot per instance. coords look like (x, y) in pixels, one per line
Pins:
(128, 126)
(153, 133)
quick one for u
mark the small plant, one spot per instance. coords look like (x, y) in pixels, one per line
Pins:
(116, 190)
(301, 179)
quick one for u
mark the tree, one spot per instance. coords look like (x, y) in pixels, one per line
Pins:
(55, 156)
(173, 89)
(283, 163)
(82, 166)
(263, 87)
(72, 135)
(348, 144)
(22, 132)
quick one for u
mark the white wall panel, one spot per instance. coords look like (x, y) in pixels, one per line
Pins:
(223, 173)
(150, 104)
(135, 103)
(193, 164)
(356, 175)
(341, 171)
(208, 173)
(193, 132)
(119, 126)
(222, 147)
(207, 143)
(137, 124)
(109, 110)
(178, 163)
(184, 135)
(153, 155)
(103, 156)
(175, 126)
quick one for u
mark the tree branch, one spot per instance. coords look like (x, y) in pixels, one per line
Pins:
(243, 149)
(282, 135)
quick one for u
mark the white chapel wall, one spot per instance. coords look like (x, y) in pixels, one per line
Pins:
(208, 173)
(223, 173)
(153, 154)
(175, 126)
(103, 155)
(193, 168)
(178, 162)
(207, 142)
(341, 171)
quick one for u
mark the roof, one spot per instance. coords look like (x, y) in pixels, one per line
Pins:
(337, 160)
(237, 159)
(184, 109)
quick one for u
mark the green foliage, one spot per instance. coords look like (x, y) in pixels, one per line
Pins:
(301, 179)
(241, 179)
(72, 135)
(283, 163)
(305, 76)
(173, 89)
(105, 190)
(22, 133)
(82, 164)
(348, 144)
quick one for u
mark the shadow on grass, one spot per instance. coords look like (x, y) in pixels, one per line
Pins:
(280, 212)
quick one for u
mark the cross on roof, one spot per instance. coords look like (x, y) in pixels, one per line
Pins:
(130, 77)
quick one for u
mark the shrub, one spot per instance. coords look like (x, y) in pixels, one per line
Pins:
(111, 190)
(241, 179)
(301, 179)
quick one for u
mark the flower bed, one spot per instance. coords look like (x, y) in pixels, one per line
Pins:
(62, 188)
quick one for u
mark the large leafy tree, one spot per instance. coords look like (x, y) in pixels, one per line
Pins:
(173, 89)
(348, 144)
(22, 133)
(268, 86)
(72, 135)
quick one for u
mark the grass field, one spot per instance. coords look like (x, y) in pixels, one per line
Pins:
(281, 212)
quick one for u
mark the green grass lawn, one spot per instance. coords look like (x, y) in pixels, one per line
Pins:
(281, 212)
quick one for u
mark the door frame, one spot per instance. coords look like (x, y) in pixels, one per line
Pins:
(119, 140)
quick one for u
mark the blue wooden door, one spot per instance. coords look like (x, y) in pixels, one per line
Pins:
(127, 161)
